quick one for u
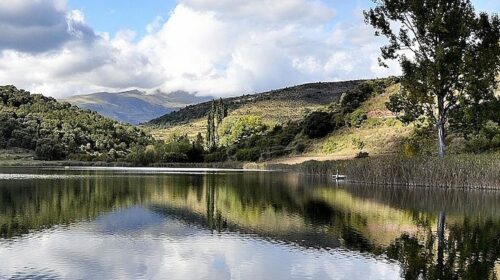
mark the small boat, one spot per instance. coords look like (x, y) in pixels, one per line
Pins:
(338, 177)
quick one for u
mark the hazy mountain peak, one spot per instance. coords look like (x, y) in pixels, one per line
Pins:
(135, 106)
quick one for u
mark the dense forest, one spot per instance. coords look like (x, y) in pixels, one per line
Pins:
(56, 131)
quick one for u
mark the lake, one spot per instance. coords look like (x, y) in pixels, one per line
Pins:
(105, 223)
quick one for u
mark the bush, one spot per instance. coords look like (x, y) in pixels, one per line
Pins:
(235, 130)
(248, 154)
(22, 139)
(488, 139)
(46, 149)
(318, 125)
(175, 157)
(300, 148)
(195, 154)
(357, 117)
(218, 155)
(351, 100)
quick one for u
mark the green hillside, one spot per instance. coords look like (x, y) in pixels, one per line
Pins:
(54, 130)
(302, 97)
(357, 110)
(135, 106)
(304, 123)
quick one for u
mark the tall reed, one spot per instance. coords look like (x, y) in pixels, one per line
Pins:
(455, 171)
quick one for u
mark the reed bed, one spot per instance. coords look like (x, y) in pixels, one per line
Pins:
(455, 171)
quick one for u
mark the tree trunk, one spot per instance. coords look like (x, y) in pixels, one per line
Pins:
(440, 127)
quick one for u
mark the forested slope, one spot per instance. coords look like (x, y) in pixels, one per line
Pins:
(56, 130)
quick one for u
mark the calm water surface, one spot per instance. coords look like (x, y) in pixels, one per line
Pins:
(205, 224)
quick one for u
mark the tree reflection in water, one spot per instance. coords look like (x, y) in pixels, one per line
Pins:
(404, 225)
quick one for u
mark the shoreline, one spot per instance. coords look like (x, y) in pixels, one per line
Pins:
(465, 171)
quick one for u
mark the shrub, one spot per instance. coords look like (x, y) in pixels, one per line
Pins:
(235, 130)
(357, 117)
(317, 125)
(218, 155)
(22, 139)
(351, 100)
(195, 154)
(175, 157)
(488, 139)
(46, 149)
(248, 154)
(300, 148)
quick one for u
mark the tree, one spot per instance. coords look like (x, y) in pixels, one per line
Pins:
(216, 115)
(317, 124)
(449, 56)
(238, 129)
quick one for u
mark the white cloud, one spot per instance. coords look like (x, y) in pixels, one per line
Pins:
(266, 11)
(138, 243)
(223, 47)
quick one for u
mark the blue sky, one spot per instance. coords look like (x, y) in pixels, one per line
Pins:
(114, 15)
(210, 47)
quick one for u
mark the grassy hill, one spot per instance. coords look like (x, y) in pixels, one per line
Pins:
(135, 106)
(282, 102)
(380, 132)
(363, 122)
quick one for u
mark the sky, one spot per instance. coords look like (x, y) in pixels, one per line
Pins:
(211, 47)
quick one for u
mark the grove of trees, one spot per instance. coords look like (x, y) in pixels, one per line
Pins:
(55, 130)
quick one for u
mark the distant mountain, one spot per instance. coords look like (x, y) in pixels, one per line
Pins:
(135, 106)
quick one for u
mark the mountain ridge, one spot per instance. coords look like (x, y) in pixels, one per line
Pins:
(320, 93)
(135, 106)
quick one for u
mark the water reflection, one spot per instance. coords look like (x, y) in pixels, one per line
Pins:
(108, 224)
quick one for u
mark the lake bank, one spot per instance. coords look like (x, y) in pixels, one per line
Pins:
(454, 171)
(21, 158)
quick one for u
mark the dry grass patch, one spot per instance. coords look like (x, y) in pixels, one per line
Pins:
(191, 129)
(380, 136)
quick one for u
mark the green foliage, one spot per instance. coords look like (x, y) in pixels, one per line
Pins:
(351, 100)
(235, 130)
(317, 124)
(487, 139)
(454, 63)
(177, 149)
(358, 144)
(46, 149)
(248, 154)
(421, 142)
(468, 119)
(177, 157)
(218, 155)
(313, 93)
(55, 130)
(357, 117)
(216, 115)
